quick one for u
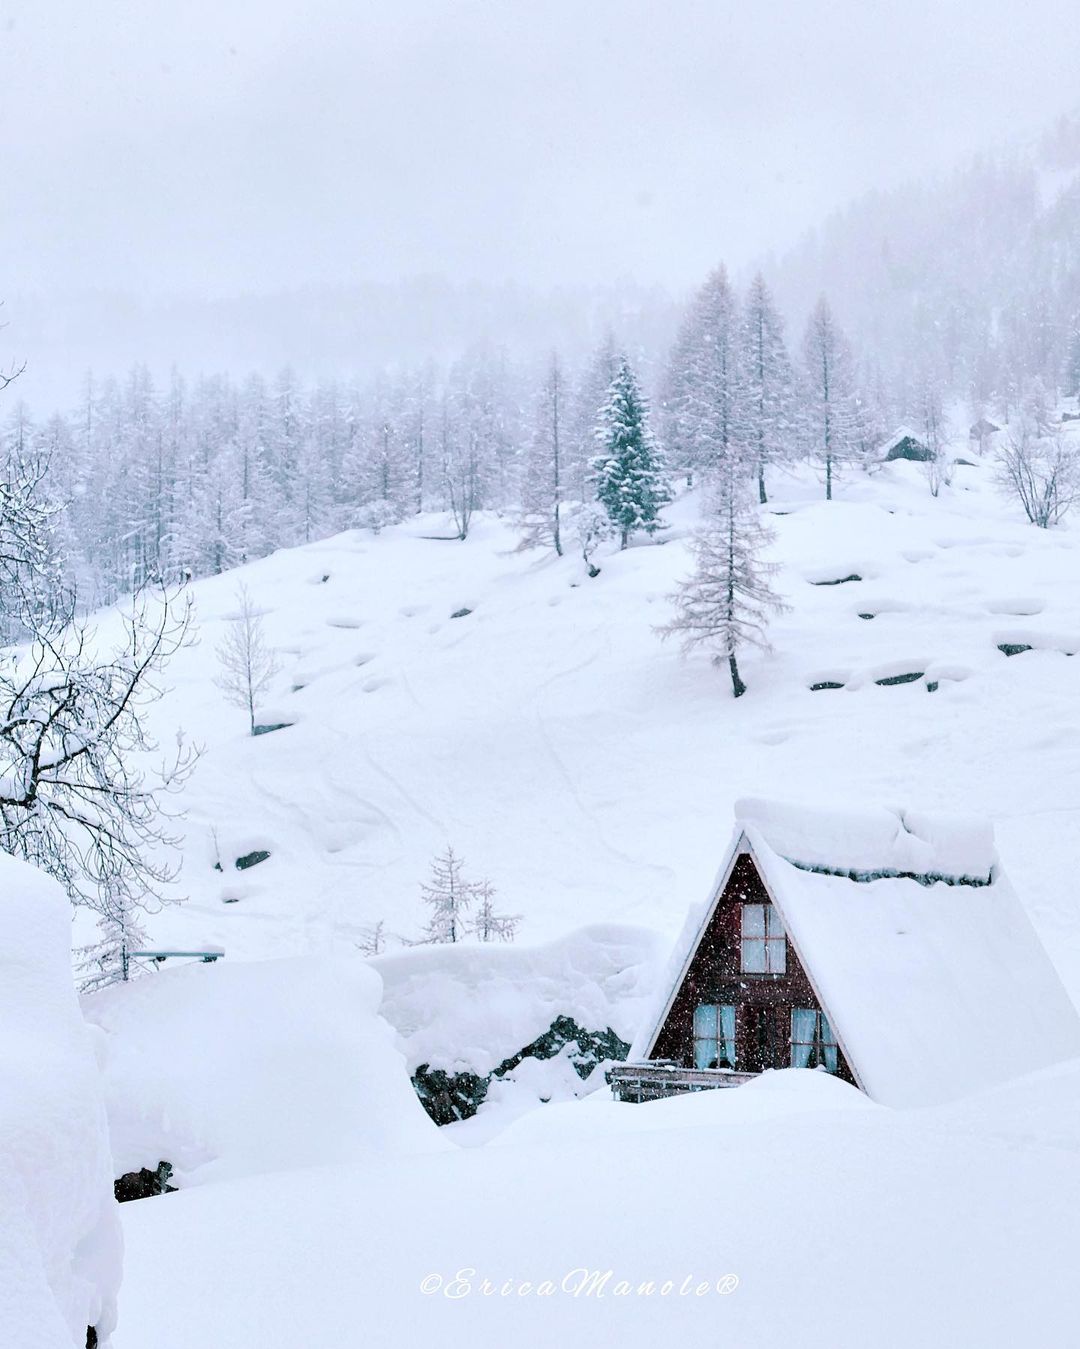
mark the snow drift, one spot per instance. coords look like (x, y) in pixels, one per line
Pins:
(226, 1070)
(60, 1250)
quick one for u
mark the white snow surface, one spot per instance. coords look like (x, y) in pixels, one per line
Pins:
(577, 762)
(224, 1070)
(470, 1007)
(60, 1246)
(847, 1224)
(862, 839)
(592, 775)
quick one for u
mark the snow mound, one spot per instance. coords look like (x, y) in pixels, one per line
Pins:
(226, 1070)
(471, 1007)
(875, 840)
(60, 1250)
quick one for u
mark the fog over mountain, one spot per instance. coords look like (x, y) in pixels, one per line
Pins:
(234, 186)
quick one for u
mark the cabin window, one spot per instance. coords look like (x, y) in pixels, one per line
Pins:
(764, 945)
(714, 1036)
(813, 1044)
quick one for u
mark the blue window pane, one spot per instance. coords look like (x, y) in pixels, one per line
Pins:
(830, 1046)
(753, 920)
(727, 1031)
(777, 955)
(775, 926)
(706, 1053)
(753, 956)
(714, 1036)
(803, 1027)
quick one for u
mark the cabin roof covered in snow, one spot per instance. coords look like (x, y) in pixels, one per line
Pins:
(916, 945)
(898, 437)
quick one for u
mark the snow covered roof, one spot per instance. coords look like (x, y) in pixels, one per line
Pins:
(898, 437)
(917, 947)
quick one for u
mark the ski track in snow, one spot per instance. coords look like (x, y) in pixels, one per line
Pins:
(586, 769)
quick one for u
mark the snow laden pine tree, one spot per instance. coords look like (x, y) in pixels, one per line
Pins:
(449, 896)
(829, 409)
(767, 392)
(489, 924)
(629, 470)
(703, 380)
(726, 603)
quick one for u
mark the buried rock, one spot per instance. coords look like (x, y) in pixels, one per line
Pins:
(1014, 648)
(449, 1097)
(144, 1184)
(251, 859)
(461, 613)
(266, 727)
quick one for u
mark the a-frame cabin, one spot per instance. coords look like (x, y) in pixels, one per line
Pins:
(874, 945)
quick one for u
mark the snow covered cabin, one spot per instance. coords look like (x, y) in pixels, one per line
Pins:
(885, 946)
(905, 444)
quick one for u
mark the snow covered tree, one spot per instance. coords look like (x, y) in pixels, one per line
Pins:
(725, 604)
(122, 934)
(488, 924)
(30, 568)
(544, 483)
(589, 399)
(248, 665)
(373, 940)
(829, 409)
(449, 896)
(1042, 472)
(74, 797)
(703, 388)
(629, 469)
(1072, 362)
(590, 527)
(932, 424)
(767, 401)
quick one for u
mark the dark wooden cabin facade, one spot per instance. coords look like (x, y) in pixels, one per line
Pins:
(745, 1004)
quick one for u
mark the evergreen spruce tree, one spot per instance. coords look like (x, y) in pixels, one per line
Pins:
(588, 402)
(767, 401)
(629, 470)
(726, 603)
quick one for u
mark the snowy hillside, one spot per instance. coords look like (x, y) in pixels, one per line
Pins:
(577, 762)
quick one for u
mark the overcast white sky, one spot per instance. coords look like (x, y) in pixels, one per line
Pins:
(216, 146)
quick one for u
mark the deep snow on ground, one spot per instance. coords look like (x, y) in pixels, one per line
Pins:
(60, 1251)
(590, 774)
(232, 1069)
(847, 1224)
(584, 768)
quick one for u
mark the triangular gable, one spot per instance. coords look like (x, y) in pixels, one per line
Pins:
(698, 927)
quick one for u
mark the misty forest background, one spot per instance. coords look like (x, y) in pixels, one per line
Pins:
(463, 398)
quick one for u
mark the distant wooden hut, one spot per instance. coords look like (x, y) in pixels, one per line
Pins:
(905, 444)
(982, 433)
